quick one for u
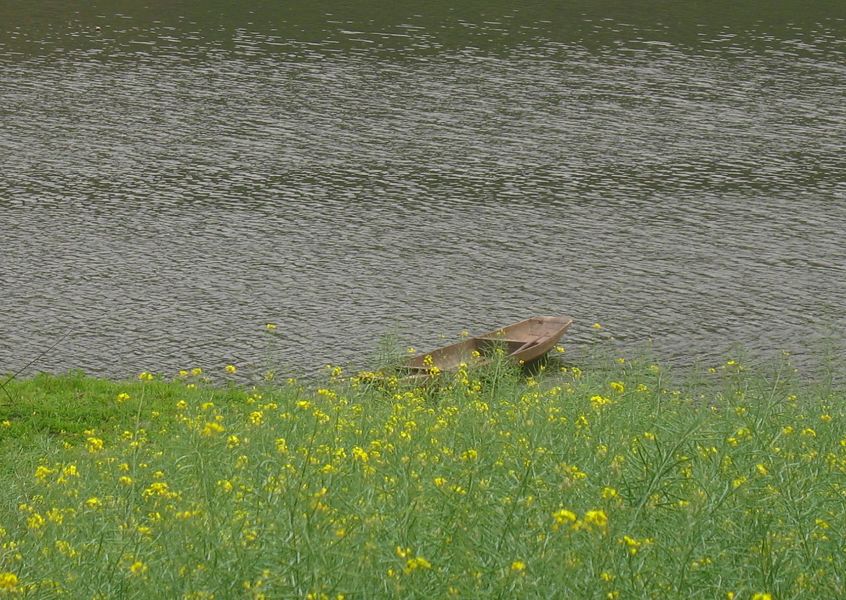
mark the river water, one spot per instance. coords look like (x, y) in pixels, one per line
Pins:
(175, 175)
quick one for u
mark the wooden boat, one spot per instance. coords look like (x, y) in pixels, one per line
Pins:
(523, 343)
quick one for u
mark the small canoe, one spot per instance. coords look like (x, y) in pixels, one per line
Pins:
(523, 343)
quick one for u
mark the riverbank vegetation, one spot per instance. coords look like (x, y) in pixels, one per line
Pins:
(618, 480)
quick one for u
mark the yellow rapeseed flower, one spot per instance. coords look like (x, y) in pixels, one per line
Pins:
(599, 401)
(35, 521)
(518, 566)
(122, 397)
(212, 428)
(416, 563)
(231, 369)
(596, 518)
(270, 326)
(55, 515)
(617, 386)
(360, 454)
(8, 582)
(93, 503)
(762, 596)
(94, 444)
(42, 472)
(608, 493)
(138, 568)
(145, 376)
(563, 517)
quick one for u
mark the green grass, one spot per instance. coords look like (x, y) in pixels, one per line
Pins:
(621, 480)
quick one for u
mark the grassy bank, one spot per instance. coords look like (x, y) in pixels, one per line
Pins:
(616, 481)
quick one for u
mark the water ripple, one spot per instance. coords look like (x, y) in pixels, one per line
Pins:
(169, 186)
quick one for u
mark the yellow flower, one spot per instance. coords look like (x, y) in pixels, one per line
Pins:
(563, 517)
(6, 423)
(145, 376)
(762, 596)
(94, 444)
(57, 516)
(68, 471)
(35, 521)
(617, 386)
(122, 397)
(212, 428)
(518, 566)
(597, 518)
(93, 503)
(596, 326)
(415, 563)
(360, 454)
(599, 401)
(762, 469)
(633, 545)
(159, 488)
(138, 568)
(608, 493)
(196, 371)
(8, 582)
(231, 369)
(65, 548)
(125, 480)
(270, 326)
(42, 472)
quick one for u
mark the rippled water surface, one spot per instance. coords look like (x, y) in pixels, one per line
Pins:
(174, 177)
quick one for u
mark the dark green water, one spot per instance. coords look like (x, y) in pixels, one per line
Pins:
(174, 175)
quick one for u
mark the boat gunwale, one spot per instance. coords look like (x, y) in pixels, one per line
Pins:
(534, 348)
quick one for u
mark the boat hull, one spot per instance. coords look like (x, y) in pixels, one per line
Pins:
(523, 343)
